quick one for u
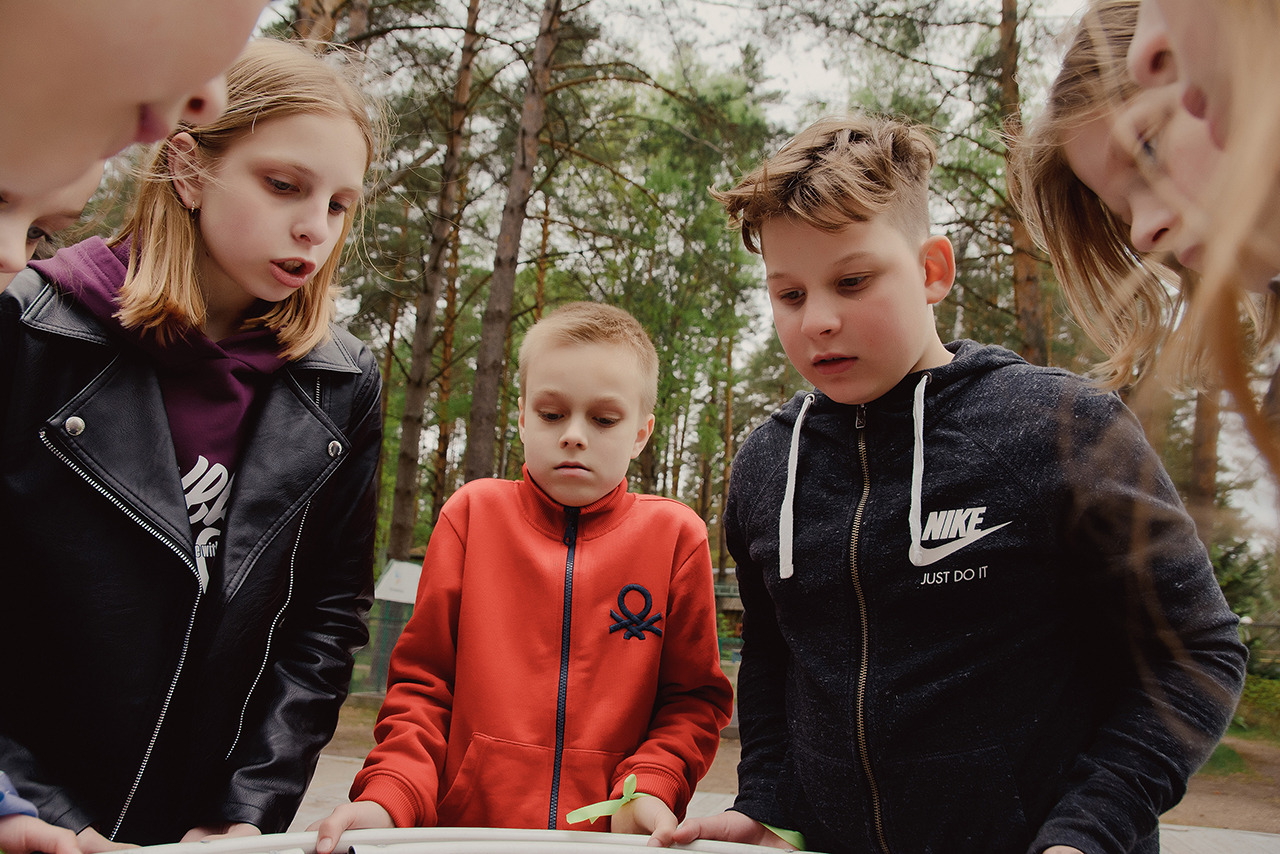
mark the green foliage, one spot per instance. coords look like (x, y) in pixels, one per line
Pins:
(1247, 578)
(1224, 760)
(620, 211)
(1259, 711)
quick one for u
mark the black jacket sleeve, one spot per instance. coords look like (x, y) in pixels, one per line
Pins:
(762, 676)
(1154, 584)
(294, 711)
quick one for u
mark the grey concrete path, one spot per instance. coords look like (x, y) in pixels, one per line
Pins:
(334, 775)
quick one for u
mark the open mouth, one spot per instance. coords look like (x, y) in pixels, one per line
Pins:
(293, 266)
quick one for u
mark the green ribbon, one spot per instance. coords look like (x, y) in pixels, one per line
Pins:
(791, 837)
(591, 812)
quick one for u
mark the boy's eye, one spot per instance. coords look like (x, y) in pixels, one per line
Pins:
(605, 420)
(279, 186)
(789, 297)
(853, 282)
(550, 417)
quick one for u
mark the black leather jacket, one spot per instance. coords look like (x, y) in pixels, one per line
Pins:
(119, 709)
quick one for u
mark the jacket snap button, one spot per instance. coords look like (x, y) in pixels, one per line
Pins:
(335, 448)
(74, 425)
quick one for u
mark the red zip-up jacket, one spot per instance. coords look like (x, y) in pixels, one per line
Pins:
(552, 652)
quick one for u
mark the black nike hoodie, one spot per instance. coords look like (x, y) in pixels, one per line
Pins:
(978, 618)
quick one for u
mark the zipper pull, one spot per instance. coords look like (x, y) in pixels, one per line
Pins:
(861, 418)
(571, 524)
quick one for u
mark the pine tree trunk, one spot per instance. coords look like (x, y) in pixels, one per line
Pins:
(405, 501)
(722, 556)
(479, 459)
(1026, 269)
(1202, 492)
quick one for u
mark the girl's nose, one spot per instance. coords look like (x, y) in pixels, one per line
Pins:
(1151, 60)
(1153, 223)
(206, 103)
(311, 224)
(13, 249)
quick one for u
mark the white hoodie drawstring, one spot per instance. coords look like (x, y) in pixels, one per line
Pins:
(917, 472)
(786, 522)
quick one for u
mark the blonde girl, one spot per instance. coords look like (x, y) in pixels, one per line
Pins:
(1104, 179)
(1220, 58)
(186, 483)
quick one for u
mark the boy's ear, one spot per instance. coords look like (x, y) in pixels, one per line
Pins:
(642, 436)
(184, 166)
(520, 420)
(939, 261)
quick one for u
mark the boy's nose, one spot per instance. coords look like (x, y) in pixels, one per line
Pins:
(574, 436)
(820, 318)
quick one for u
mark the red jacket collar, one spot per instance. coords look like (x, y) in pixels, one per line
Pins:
(548, 515)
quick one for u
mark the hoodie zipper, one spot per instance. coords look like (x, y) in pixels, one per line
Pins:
(271, 633)
(570, 540)
(187, 561)
(860, 718)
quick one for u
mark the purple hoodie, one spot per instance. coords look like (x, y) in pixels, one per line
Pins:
(209, 388)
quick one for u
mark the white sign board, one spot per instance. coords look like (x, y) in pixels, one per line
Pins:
(399, 582)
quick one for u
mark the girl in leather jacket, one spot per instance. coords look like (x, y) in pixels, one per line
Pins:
(186, 485)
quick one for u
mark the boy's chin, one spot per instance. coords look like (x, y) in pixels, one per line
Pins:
(570, 497)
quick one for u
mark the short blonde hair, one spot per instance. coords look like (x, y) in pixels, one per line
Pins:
(594, 323)
(839, 170)
(271, 79)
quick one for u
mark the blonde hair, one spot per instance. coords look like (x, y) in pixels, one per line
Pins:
(1132, 307)
(839, 170)
(1124, 302)
(271, 79)
(594, 323)
(1245, 239)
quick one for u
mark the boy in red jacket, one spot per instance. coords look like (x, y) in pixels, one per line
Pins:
(564, 637)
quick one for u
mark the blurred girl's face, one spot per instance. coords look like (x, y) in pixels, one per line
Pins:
(82, 79)
(1152, 165)
(1177, 41)
(26, 221)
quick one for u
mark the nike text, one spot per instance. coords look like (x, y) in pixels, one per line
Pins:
(948, 524)
(949, 576)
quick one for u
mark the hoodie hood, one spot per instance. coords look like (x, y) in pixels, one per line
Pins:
(211, 390)
(92, 272)
(970, 360)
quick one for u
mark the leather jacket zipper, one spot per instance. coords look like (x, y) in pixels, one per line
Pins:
(864, 663)
(570, 540)
(187, 561)
(266, 653)
(288, 597)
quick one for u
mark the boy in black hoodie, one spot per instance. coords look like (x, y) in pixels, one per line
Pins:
(978, 618)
